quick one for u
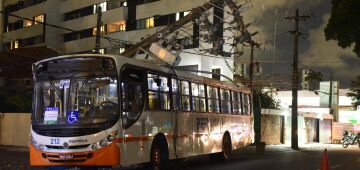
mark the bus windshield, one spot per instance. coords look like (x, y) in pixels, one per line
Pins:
(82, 97)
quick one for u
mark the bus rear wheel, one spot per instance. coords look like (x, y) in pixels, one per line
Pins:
(159, 156)
(226, 147)
(226, 150)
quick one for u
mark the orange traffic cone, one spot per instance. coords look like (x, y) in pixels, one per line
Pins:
(324, 161)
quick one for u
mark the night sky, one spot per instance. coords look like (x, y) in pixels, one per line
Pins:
(315, 52)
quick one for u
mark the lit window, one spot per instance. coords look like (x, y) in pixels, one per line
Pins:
(180, 15)
(177, 17)
(102, 30)
(116, 26)
(102, 51)
(124, 3)
(39, 18)
(121, 50)
(145, 23)
(14, 44)
(149, 22)
(186, 13)
(102, 5)
(28, 23)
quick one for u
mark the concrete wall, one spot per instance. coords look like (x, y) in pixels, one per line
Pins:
(312, 127)
(14, 129)
(271, 129)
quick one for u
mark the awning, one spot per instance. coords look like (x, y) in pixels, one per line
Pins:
(16, 64)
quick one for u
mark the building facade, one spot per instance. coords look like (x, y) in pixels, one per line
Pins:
(71, 28)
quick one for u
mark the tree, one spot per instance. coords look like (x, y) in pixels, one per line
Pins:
(313, 78)
(344, 24)
(266, 100)
(355, 91)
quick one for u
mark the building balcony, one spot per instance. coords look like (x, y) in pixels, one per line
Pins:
(90, 21)
(29, 12)
(25, 32)
(162, 8)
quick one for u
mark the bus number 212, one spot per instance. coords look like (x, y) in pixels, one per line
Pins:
(54, 141)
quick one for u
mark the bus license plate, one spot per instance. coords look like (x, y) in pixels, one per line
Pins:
(66, 157)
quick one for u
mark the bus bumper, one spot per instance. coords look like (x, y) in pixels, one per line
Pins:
(107, 156)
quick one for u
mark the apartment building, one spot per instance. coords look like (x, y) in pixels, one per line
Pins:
(71, 28)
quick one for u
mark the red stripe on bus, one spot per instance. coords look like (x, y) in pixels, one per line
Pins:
(144, 138)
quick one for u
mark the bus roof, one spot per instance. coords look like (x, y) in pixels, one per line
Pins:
(121, 61)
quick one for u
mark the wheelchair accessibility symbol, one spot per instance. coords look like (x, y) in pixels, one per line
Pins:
(72, 116)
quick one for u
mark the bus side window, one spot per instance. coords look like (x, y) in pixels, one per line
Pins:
(213, 99)
(246, 104)
(225, 101)
(235, 102)
(185, 95)
(241, 103)
(198, 97)
(175, 94)
(159, 98)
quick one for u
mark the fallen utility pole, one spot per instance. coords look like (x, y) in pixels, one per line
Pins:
(295, 80)
(195, 13)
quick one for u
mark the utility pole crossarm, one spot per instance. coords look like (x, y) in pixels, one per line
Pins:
(195, 13)
(238, 20)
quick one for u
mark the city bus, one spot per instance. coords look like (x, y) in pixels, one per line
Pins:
(99, 110)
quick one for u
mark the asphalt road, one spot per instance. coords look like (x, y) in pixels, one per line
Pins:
(279, 157)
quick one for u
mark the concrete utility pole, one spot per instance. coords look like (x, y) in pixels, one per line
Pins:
(330, 93)
(257, 108)
(98, 29)
(295, 80)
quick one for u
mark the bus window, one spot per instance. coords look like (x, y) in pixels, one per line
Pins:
(236, 102)
(241, 103)
(213, 99)
(246, 104)
(175, 94)
(132, 88)
(185, 95)
(159, 98)
(198, 97)
(225, 101)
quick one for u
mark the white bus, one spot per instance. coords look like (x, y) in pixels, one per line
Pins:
(109, 110)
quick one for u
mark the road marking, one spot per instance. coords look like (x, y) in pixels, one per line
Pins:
(335, 166)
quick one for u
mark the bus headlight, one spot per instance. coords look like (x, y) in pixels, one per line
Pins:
(35, 144)
(41, 147)
(103, 143)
